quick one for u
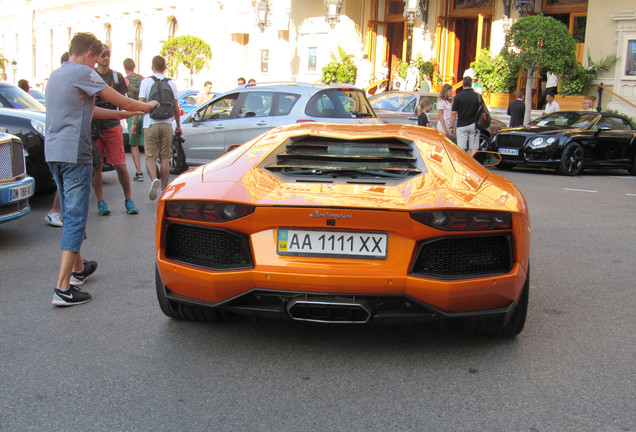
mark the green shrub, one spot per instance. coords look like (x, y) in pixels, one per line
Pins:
(341, 69)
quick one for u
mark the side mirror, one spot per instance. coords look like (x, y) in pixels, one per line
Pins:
(232, 147)
(196, 118)
(487, 158)
(605, 128)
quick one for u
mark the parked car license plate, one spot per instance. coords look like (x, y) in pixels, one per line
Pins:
(332, 243)
(510, 152)
(20, 192)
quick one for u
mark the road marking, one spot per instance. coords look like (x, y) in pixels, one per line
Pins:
(630, 194)
(580, 190)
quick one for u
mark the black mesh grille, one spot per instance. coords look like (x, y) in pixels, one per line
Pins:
(510, 140)
(332, 158)
(13, 207)
(11, 159)
(455, 257)
(204, 247)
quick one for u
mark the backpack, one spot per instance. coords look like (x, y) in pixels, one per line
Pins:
(133, 87)
(162, 93)
(483, 116)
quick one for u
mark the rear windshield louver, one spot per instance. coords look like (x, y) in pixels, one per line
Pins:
(333, 158)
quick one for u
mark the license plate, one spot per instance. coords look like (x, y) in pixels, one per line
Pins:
(20, 192)
(510, 152)
(332, 243)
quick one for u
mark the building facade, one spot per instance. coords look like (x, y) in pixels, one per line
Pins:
(275, 40)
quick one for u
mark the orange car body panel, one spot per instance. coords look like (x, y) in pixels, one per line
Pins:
(453, 181)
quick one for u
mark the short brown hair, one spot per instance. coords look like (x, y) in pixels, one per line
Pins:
(159, 64)
(129, 64)
(85, 42)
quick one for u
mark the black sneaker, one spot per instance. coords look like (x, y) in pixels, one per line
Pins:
(77, 278)
(70, 297)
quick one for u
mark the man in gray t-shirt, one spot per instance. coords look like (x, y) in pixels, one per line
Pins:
(70, 97)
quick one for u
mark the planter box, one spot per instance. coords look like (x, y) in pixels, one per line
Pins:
(572, 103)
(499, 100)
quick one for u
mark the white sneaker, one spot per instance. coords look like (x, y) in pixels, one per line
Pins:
(154, 187)
(54, 219)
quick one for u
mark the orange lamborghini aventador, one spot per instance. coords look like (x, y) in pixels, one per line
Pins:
(342, 223)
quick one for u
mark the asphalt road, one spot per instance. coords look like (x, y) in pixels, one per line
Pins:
(117, 363)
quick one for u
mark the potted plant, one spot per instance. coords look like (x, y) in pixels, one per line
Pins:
(498, 75)
(341, 69)
(578, 80)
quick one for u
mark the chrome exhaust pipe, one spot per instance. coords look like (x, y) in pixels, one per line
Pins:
(324, 310)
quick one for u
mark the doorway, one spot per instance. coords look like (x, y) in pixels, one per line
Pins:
(466, 51)
(395, 49)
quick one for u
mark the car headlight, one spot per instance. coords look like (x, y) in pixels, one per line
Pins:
(39, 126)
(539, 142)
(464, 220)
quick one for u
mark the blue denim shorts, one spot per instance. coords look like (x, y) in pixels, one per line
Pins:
(74, 187)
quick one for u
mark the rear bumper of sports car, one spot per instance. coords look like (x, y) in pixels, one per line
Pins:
(324, 295)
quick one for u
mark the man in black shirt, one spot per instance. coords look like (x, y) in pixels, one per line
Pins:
(465, 108)
(109, 138)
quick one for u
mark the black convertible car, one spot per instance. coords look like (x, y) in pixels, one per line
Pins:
(569, 141)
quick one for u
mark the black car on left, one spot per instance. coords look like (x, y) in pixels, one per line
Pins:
(30, 127)
(569, 141)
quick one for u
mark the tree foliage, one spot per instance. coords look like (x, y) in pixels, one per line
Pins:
(498, 74)
(190, 51)
(539, 41)
(341, 69)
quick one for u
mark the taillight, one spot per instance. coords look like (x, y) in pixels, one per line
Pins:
(206, 211)
(464, 220)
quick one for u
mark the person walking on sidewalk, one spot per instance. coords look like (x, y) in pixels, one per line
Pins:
(133, 81)
(158, 128)
(465, 108)
(70, 99)
(109, 136)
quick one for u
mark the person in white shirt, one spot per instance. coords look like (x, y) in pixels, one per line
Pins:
(412, 77)
(363, 76)
(551, 105)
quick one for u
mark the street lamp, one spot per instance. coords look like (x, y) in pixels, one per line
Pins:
(523, 6)
(332, 11)
(411, 11)
(262, 14)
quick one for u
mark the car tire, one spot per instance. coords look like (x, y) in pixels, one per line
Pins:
(483, 141)
(632, 170)
(180, 311)
(495, 327)
(571, 160)
(177, 159)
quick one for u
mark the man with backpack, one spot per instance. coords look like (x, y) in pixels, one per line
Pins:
(133, 80)
(109, 138)
(158, 131)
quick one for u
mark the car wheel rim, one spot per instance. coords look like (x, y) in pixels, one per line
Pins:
(173, 157)
(574, 160)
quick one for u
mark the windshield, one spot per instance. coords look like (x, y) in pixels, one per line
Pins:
(14, 97)
(393, 101)
(339, 103)
(568, 119)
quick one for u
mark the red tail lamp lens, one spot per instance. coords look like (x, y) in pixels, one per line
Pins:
(207, 211)
(464, 220)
